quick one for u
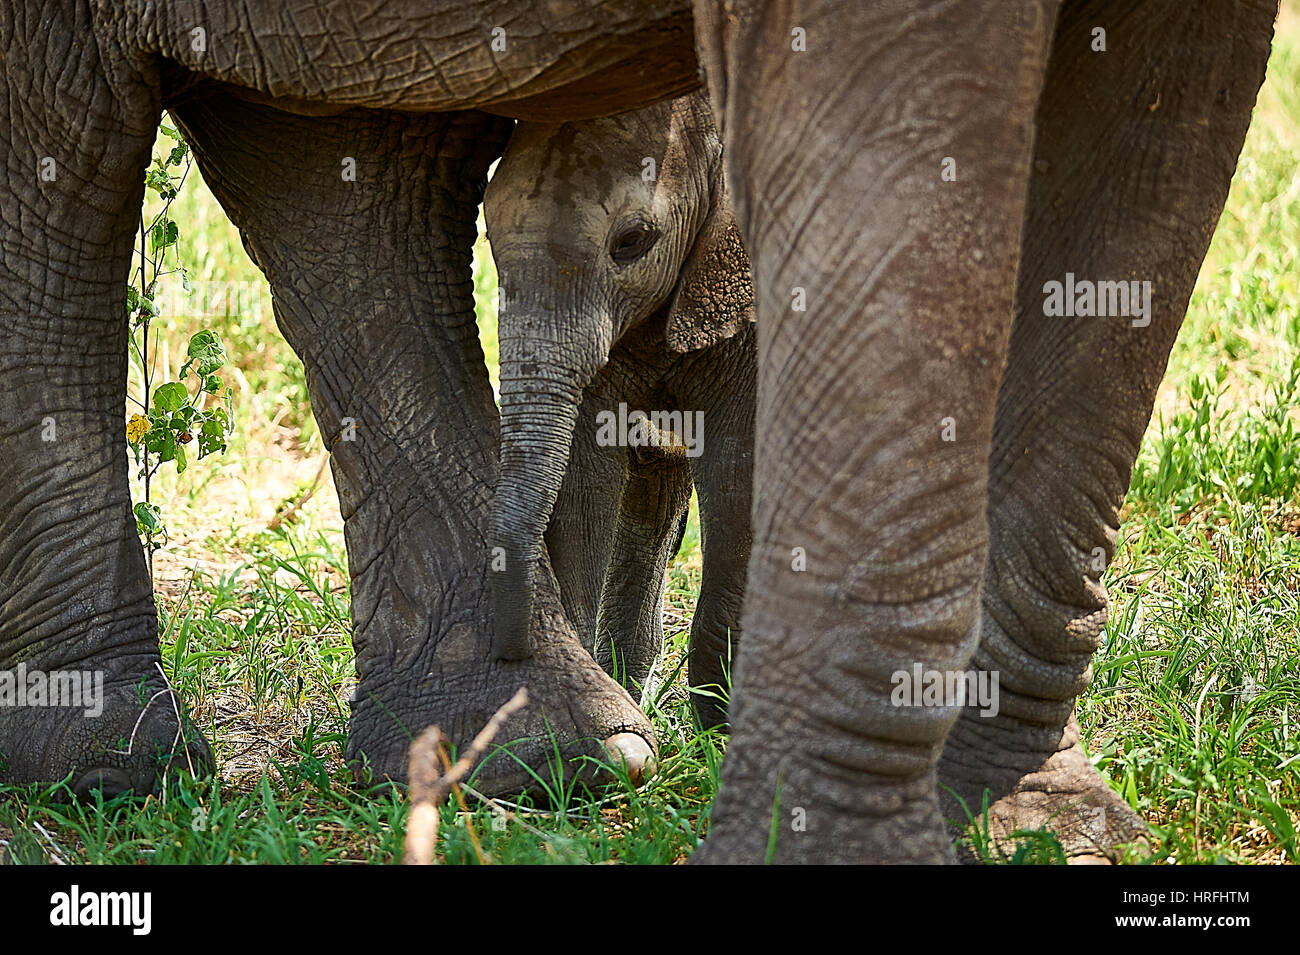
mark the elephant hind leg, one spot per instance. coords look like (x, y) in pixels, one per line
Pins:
(629, 627)
(1128, 193)
(82, 692)
(720, 382)
(364, 224)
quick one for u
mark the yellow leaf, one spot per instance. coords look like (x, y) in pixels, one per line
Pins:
(136, 428)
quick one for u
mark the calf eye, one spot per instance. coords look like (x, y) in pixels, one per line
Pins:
(632, 241)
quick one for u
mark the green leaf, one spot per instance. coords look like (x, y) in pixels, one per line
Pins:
(212, 436)
(162, 442)
(165, 233)
(133, 305)
(157, 180)
(169, 132)
(206, 352)
(171, 396)
(148, 519)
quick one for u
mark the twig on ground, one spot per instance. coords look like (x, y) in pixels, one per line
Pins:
(460, 799)
(55, 854)
(429, 789)
(302, 498)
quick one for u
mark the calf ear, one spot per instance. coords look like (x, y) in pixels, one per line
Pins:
(715, 294)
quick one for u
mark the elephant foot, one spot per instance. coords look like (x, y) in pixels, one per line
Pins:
(710, 711)
(1031, 788)
(95, 732)
(870, 820)
(713, 648)
(579, 726)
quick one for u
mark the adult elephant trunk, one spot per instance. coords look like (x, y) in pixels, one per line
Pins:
(542, 381)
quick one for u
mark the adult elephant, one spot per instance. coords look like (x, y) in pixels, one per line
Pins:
(347, 143)
(938, 464)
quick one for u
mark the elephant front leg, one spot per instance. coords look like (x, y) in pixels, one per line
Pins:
(885, 290)
(82, 691)
(364, 224)
(1126, 195)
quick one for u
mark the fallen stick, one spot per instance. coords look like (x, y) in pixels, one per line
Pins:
(429, 788)
(302, 499)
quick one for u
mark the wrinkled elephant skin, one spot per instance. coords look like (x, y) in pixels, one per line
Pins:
(937, 456)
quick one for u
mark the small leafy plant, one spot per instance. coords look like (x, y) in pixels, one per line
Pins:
(194, 411)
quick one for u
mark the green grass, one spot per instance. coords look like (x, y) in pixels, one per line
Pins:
(261, 654)
(1191, 714)
(1192, 711)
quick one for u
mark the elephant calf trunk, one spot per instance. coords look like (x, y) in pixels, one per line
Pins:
(512, 605)
(536, 435)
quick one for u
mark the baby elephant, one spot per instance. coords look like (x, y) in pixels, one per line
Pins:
(627, 375)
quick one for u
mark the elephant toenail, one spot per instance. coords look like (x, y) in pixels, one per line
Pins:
(110, 782)
(634, 753)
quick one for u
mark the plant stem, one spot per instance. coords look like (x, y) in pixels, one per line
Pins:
(145, 375)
